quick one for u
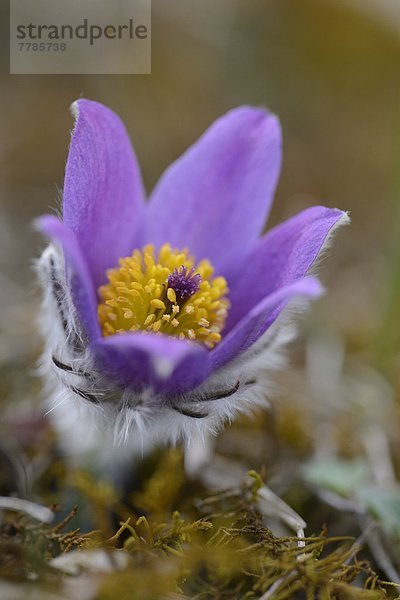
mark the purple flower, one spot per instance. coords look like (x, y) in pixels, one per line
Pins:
(212, 203)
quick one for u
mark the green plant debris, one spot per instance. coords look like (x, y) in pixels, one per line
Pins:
(207, 546)
(340, 476)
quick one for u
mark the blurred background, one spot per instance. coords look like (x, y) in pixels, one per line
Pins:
(330, 69)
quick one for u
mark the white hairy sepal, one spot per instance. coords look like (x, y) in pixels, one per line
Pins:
(93, 415)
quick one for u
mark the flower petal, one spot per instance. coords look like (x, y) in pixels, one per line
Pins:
(103, 191)
(253, 325)
(216, 197)
(165, 363)
(281, 257)
(78, 276)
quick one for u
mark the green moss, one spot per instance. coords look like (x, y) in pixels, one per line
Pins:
(215, 546)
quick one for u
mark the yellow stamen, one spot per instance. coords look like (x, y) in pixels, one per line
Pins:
(171, 295)
(158, 304)
(139, 297)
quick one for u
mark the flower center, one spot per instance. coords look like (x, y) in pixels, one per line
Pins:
(164, 293)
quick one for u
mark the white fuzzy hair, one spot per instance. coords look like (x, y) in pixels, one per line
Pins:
(95, 418)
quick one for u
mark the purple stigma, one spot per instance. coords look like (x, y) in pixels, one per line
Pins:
(184, 283)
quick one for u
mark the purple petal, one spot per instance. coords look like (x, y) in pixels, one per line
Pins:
(165, 363)
(281, 257)
(83, 293)
(216, 197)
(103, 192)
(253, 325)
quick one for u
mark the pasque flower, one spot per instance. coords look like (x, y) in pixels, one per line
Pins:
(168, 309)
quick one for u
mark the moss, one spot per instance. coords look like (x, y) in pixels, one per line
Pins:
(216, 546)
